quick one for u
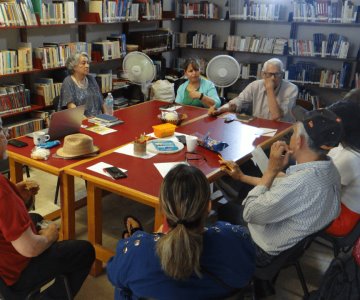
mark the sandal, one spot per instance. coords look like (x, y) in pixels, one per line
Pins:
(131, 230)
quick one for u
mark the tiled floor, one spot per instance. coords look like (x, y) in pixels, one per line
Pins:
(288, 287)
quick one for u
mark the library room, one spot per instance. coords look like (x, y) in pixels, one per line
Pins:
(118, 117)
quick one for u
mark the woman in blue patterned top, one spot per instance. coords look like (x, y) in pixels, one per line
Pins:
(189, 261)
(196, 90)
(79, 88)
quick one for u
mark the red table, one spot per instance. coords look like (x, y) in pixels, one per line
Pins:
(143, 181)
(138, 119)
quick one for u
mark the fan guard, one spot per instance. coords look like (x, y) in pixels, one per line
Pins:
(223, 70)
(139, 68)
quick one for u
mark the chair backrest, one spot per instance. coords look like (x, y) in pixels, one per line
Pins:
(305, 104)
(284, 259)
(344, 243)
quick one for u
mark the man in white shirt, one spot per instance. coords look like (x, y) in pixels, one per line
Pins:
(270, 97)
(284, 208)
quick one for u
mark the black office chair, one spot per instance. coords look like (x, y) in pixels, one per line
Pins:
(290, 257)
(7, 294)
(339, 243)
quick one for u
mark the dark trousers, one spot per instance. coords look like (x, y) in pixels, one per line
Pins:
(72, 258)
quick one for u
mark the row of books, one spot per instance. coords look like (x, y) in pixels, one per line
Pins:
(151, 40)
(24, 127)
(150, 9)
(47, 89)
(335, 11)
(58, 13)
(254, 10)
(53, 55)
(203, 40)
(202, 9)
(307, 95)
(256, 44)
(115, 11)
(18, 13)
(310, 73)
(104, 81)
(333, 47)
(13, 98)
(12, 61)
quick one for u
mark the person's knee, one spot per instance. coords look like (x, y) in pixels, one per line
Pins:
(87, 249)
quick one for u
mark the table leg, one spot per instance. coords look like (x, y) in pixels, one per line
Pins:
(16, 171)
(67, 196)
(158, 218)
(94, 210)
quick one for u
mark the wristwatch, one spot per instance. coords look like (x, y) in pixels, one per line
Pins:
(201, 96)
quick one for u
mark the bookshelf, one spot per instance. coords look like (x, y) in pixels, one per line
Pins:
(48, 32)
(277, 24)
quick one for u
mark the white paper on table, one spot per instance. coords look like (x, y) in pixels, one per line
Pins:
(267, 131)
(260, 159)
(129, 150)
(102, 130)
(99, 168)
(172, 108)
(164, 168)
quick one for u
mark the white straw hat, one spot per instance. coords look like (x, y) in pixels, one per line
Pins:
(76, 145)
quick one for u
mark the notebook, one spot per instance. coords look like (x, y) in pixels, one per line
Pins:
(64, 122)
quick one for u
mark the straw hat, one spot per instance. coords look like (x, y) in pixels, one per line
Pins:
(76, 145)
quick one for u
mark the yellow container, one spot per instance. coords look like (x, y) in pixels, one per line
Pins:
(164, 130)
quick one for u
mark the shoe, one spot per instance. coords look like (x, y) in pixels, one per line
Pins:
(131, 230)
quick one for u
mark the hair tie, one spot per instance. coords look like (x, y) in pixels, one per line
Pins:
(182, 222)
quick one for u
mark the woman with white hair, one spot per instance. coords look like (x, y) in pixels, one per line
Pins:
(79, 88)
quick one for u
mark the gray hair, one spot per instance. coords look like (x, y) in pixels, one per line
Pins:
(73, 61)
(184, 199)
(301, 131)
(275, 62)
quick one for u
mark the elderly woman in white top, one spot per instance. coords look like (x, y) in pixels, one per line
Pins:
(79, 88)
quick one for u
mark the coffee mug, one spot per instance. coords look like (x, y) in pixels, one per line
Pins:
(40, 138)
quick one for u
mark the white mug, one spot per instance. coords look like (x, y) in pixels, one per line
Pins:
(191, 143)
(40, 138)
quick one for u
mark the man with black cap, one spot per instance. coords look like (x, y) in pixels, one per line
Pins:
(284, 208)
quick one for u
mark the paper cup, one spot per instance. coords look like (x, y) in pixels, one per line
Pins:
(191, 143)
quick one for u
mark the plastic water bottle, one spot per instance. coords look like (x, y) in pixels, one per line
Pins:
(109, 105)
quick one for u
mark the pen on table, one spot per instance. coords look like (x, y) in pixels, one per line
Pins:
(222, 159)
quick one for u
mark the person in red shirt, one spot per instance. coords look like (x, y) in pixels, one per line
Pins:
(29, 257)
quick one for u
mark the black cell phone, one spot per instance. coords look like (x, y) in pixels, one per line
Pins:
(115, 172)
(181, 139)
(17, 143)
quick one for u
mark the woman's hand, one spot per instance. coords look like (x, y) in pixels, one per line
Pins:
(194, 94)
(27, 189)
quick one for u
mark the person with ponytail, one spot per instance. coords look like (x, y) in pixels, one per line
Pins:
(189, 261)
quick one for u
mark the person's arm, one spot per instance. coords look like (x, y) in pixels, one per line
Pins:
(66, 94)
(275, 110)
(30, 244)
(232, 169)
(180, 93)
(27, 190)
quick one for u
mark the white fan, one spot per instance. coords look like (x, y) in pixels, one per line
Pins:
(140, 70)
(223, 71)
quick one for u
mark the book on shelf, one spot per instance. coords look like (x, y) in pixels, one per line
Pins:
(106, 49)
(23, 127)
(14, 97)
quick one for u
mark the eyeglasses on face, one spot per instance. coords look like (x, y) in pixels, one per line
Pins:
(194, 156)
(276, 75)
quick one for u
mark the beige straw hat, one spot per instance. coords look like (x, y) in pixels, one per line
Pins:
(76, 145)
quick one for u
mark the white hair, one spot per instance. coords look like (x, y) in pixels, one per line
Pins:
(275, 62)
(73, 61)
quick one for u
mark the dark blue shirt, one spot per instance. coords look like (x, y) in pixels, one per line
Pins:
(228, 253)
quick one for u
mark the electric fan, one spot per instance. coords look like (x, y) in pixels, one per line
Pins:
(223, 71)
(140, 70)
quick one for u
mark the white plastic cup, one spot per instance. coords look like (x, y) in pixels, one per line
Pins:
(191, 143)
(40, 138)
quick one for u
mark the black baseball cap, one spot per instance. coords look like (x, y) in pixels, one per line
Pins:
(322, 125)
